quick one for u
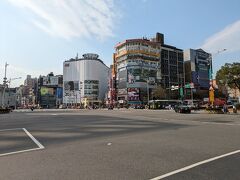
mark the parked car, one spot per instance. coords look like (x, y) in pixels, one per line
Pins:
(5, 110)
(182, 108)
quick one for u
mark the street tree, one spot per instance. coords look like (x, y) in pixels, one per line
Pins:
(159, 93)
(229, 75)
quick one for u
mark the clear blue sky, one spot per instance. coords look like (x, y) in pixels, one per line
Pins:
(37, 36)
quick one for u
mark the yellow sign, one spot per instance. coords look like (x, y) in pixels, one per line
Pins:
(211, 96)
(44, 91)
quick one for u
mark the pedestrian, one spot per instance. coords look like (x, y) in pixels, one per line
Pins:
(225, 108)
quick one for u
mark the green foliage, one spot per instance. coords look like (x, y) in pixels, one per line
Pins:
(159, 93)
(229, 74)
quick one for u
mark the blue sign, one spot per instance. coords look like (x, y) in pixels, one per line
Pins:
(59, 93)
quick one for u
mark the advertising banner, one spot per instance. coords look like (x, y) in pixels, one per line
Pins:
(52, 81)
(133, 94)
(141, 75)
(59, 93)
(45, 91)
(72, 93)
(122, 79)
(211, 95)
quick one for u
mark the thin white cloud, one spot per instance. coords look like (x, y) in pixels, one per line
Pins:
(228, 38)
(72, 18)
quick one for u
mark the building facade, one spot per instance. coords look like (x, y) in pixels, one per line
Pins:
(50, 91)
(198, 70)
(172, 68)
(29, 92)
(85, 80)
(111, 96)
(143, 64)
(7, 97)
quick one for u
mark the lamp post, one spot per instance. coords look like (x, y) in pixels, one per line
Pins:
(148, 93)
(15, 96)
(211, 89)
(4, 84)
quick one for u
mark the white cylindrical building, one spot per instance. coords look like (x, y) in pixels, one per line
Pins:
(85, 80)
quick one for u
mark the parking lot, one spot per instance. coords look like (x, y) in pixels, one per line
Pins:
(119, 144)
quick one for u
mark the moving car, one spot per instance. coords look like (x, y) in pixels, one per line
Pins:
(182, 108)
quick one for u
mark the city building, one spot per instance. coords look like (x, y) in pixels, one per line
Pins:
(85, 81)
(7, 97)
(172, 70)
(198, 71)
(143, 64)
(50, 91)
(111, 96)
(28, 92)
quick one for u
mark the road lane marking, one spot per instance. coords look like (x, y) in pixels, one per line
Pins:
(17, 152)
(40, 146)
(195, 165)
(221, 123)
(13, 129)
(34, 139)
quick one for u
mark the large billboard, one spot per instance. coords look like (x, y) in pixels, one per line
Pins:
(50, 80)
(133, 94)
(122, 79)
(46, 91)
(71, 86)
(59, 93)
(72, 93)
(141, 75)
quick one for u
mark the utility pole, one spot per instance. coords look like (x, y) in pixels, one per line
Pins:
(148, 92)
(211, 89)
(4, 85)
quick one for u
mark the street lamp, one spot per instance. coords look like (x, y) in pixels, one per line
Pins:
(12, 79)
(148, 93)
(211, 89)
(4, 84)
(15, 96)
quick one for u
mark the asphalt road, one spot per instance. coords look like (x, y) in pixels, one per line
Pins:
(118, 144)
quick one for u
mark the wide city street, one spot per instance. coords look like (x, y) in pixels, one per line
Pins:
(123, 144)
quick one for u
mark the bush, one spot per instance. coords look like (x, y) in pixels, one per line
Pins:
(238, 106)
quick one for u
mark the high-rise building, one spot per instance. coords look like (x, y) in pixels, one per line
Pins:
(142, 64)
(111, 96)
(29, 91)
(85, 80)
(198, 71)
(172, 69)
(50, 90)
(7, 97)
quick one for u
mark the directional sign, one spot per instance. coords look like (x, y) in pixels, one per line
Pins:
(191, 85)
(187, 86)
(181, 92)
(174, 88)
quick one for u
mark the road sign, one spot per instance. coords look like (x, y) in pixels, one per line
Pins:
(191, 85)
(174, 88)
(181, 91)
(211, 96)
(187, 86)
